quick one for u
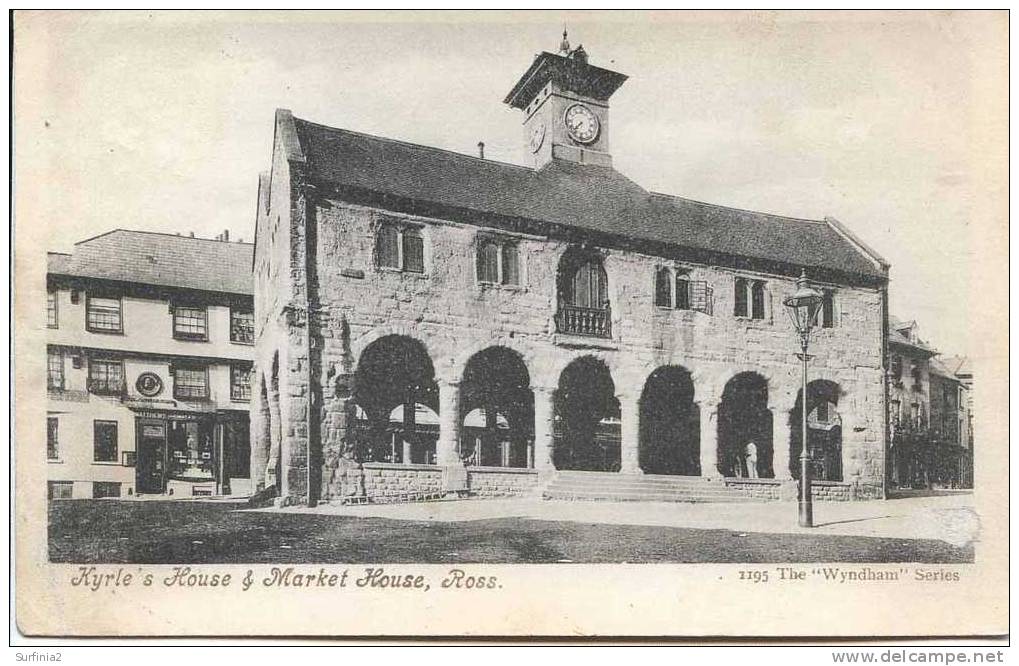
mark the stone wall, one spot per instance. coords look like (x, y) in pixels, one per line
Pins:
(501, 482)
(381, 479)
(772, 489)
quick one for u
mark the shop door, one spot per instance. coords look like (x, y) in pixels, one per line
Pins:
(150, 470)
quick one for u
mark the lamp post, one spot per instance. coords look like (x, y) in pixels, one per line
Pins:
(803, 307)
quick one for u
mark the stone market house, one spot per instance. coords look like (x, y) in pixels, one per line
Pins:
(149, 348)
(428, 321)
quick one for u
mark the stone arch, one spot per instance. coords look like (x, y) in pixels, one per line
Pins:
(497, 385)
(359, 344)
(744, 418)
(824, 430)
(586, 422)
(518, 346)
(669, 423)
(390, 371)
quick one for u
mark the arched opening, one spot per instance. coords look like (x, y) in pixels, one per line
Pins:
(498, 408)
(669, 424)
(582, 287)
(745, 428)
(396, 372)
(824, 431)
(586, 425)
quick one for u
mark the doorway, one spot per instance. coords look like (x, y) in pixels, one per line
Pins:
(150, 467)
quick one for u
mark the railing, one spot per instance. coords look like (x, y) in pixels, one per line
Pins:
(577, 320)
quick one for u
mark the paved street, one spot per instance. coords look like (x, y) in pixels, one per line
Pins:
(933, 529)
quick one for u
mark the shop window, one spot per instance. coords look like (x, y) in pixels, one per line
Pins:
(52, 438)
(190, 383)
(104, 436)
(55, 370)
(60, 490)
(51, 309)
(103, 315)
(190, 322)
(101, 489)
(190, 451)
(105, 376)
(240, 383)
(663, 288)
(242, 326)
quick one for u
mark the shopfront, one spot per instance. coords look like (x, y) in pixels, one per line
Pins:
(187, 454)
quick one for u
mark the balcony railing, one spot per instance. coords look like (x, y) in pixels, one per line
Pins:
(577, 320)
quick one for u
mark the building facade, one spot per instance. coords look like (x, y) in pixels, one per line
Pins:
(432, 321)
(149, 351)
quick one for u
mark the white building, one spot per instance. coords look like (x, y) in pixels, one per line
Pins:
(149, 359)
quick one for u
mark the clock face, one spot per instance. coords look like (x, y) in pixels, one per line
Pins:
(581, 123)
(537, 136)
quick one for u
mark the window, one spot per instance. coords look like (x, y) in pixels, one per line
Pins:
(740, 308)
(102, 489)
(105, 376)
(896, 367)
(510, 264)
(190, 322)
(103, 315)
(242, 326)
(488, 262)
(190, 383)
(240, 383)
(682, 292)
(55, 370)
(59, 489)
(828, 309)
(105, 441)
(757, 300)
(498, 262)
(663, 288)
(51, 309)
(413, 251)
(589, 286)
(894, 411)
(388, 247)
(52, 440)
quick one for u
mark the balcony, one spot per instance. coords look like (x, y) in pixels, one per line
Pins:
(590, 322)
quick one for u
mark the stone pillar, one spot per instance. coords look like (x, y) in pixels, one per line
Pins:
(709, 438)
(543, 440)
(260, 438)
(782, 433)
(409, 429)
(275, 439)
(447, 454)
(629, 444)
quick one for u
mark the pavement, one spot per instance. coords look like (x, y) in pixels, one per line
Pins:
(949, 518)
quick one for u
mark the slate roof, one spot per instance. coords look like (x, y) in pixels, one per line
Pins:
(895, 336)
(160, 259)
(581, 196)
(957, 365)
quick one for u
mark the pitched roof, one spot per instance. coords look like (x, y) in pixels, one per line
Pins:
(896, 336)
(574, 195)
(159, 259)
(958, 365)
(940, 369)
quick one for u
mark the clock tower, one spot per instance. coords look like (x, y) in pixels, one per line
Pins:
(565, 103)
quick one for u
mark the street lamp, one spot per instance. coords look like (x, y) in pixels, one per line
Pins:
(803, 307)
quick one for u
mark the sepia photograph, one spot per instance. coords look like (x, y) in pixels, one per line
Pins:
(385, 306)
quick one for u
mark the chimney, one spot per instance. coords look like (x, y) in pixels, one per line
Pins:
(191, 234)
(226, 235)
(481, 149)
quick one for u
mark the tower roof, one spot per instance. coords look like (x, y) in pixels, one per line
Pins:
(572, 73)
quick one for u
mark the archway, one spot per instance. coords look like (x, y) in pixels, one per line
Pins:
(669, 423)
(744, 417)
(824, 431)
(396, 371)
(498, 408)
(586, 426)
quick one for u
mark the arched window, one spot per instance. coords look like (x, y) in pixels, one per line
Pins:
(663, 288)
(400, 247)
(488, 262)
(757, 300)
(589, 286)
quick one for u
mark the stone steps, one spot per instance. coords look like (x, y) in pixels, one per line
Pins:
(616, 487)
